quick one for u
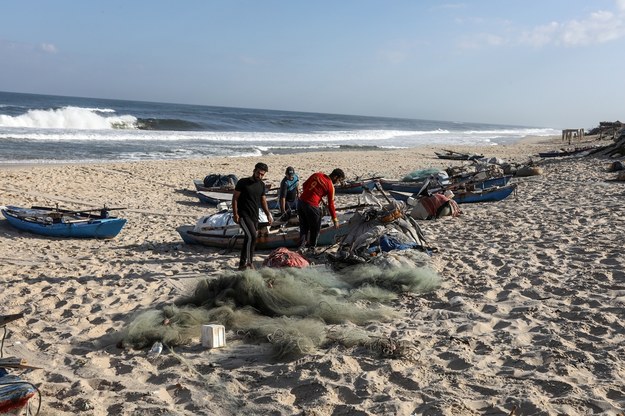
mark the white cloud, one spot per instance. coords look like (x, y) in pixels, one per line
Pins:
(599, 27)
(48, 48)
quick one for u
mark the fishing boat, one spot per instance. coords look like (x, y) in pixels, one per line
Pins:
(216, 198)
(220, 231)
(467, 182)
(567, 152)
(465, 196)
(435, 177)
(227, 188)
(216, 182)
(452, 155)
(55, 222)
(496, 193)
(14, 393)
(355, 187)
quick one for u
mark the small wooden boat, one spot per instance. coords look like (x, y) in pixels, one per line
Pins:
(411, 187)
(566, 152)
(14, 393)
(215, 198)
(495, 193)
(452, 155)
(224, 233)
(355, 187)
(55, 222)
(469, 183)
(199, 186)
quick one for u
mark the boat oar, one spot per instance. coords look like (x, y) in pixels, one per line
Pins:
(85, 211)
(378, 186)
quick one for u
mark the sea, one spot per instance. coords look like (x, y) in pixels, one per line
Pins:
(57, 129)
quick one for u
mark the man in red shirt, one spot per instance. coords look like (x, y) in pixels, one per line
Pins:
(314, 189)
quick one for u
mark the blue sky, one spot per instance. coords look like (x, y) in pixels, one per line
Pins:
(551, 63)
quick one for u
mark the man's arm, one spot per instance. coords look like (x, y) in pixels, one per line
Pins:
(331, 207)
(263, 203)
(235, 206)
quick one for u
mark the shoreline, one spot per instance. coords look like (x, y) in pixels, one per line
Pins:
(527, 140)
(528, 314)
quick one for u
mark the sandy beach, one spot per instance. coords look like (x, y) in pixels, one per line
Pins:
(528, 319)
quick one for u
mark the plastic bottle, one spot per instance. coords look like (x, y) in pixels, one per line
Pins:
(156, 350)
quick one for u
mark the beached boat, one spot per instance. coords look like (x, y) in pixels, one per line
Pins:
(468, 182)
(567, 152)
(54, 222)
(495, 193)
(355, 187)
(228, 188)
(451, 155)
(220, 231)
(216, 198)
(14, 393)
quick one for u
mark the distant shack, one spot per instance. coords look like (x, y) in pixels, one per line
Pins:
(570, 134)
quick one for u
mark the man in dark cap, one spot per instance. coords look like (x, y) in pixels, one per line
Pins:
(317, 186)
(249, 196)
(289, 192)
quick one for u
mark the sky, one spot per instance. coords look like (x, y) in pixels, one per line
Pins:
(543, 63)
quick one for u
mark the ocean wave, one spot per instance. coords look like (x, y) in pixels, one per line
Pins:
(72, 118)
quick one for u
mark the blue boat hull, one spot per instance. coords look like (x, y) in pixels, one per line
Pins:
(14, 395)
(486, 195)
(84, 228)
(414, 187)
(480, 195)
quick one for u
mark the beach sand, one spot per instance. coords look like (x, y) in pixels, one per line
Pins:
(528, 320)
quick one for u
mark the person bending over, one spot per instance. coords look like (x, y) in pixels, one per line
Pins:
(317, 186)
(249, 196)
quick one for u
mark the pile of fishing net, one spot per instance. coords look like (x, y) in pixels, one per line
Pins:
(296, 310)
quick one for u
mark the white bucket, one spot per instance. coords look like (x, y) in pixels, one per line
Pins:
(213, 336)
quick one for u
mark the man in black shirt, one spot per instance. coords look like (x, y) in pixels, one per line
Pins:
(249, 196)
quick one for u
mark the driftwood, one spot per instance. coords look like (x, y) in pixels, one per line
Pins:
(613, 150)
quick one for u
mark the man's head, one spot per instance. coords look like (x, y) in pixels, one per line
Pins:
(259, 171)
(290, 172)
(337, 176)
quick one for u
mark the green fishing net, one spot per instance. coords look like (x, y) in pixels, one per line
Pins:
(296, 310)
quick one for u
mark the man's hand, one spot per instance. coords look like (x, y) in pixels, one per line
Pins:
(269, 218)
(236, 218)
(336, 223)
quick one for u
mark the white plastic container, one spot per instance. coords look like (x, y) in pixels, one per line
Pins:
(213, 336)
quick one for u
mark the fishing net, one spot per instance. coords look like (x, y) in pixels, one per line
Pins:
(290, 308)
(420, 174)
